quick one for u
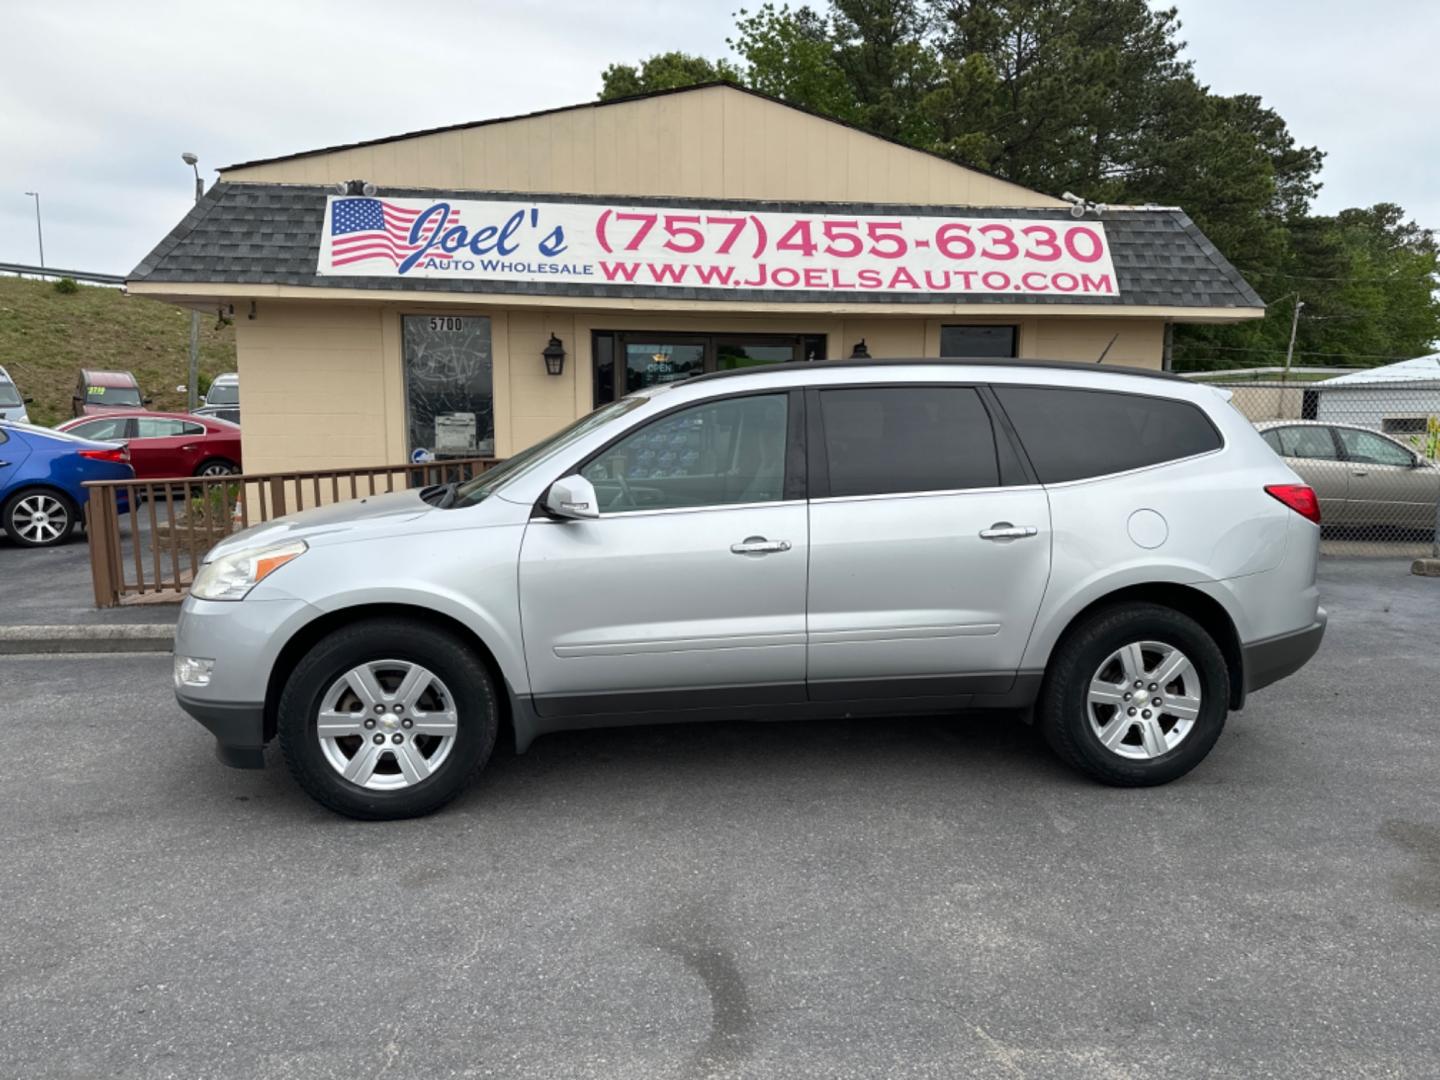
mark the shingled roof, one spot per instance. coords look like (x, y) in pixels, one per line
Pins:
(269, 234)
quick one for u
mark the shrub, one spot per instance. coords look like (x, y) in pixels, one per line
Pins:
(67, 285)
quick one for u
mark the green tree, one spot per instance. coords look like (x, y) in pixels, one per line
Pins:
(664, 71)
(1096, 97)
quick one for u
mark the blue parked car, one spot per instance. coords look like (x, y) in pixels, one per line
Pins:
(41, 473)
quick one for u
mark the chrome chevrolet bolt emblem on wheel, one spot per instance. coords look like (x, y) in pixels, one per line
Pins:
(389, 761)
(1157, 729)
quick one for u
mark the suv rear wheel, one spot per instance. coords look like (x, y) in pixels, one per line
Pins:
(387, 719)
(1135, 695)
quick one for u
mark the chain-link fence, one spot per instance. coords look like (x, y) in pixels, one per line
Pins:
(1370, 449)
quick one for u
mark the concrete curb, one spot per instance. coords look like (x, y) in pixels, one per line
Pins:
(1426, 567)
(117, 638)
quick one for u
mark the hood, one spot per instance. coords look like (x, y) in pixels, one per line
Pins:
(340, 520)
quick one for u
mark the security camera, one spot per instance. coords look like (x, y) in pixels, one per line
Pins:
(1071, 197)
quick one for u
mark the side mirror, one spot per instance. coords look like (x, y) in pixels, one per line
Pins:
(572, 498)
(146, 401)
(29, 401)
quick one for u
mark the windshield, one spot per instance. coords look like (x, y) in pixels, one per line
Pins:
(472, 491)
(226, 393)
(8, 394)
(112, 395)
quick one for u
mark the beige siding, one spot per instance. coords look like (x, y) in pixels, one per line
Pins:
(711, 143)
(319, 388)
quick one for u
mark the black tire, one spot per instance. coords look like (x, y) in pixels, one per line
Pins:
(1064, 711)
(229, 468)
(450, 659)
(13, 508)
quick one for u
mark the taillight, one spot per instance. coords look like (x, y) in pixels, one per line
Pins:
(1299, 497)
(119, 454)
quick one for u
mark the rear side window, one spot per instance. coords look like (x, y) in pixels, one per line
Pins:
(1072, 434)
(888, 440)
(1312, 443)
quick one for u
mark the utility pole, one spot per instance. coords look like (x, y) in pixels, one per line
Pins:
(39, 233)
(193, 384)
(1294, 325)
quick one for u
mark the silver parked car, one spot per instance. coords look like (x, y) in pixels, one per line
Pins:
(1363, 479)
(1118, 552)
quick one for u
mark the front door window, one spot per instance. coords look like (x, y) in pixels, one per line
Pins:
(715, 454)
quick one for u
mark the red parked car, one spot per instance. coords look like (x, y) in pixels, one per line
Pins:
(163, 445)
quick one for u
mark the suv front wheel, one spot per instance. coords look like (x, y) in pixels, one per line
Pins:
(1136, 695)
(387, 718)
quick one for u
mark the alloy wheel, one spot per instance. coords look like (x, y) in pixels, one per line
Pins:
(218, 468)
(1143, 700)
(387, 724)
(40, 518)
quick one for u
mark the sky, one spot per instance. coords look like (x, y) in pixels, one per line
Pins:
(99, 99)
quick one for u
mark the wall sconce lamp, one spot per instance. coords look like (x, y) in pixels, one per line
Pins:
(860, 352)
(554, 355)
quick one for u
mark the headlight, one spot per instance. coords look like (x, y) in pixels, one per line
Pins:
(231, 577)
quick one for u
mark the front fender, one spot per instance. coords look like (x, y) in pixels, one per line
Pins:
(469, 576)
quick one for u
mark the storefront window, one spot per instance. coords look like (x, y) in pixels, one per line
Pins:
(649, 363)
(449, 388)
(978, 341)
(626, 362)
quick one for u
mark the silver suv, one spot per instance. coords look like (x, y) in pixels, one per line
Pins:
(1117, 553)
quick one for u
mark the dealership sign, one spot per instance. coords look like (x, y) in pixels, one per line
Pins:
(692, 248)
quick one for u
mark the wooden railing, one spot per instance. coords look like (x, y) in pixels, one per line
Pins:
(148, 536)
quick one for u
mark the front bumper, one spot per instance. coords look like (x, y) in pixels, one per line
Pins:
(244, 638)
(238, 727)
(1273, 659)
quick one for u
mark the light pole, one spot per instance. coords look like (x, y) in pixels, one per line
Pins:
(193, 384)
(39, 233)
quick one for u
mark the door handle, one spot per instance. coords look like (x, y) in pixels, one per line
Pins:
(3, 464)
(1359, 472)
(758, 545)
(1003, 530)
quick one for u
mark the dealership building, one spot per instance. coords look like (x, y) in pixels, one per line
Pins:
(468, 290)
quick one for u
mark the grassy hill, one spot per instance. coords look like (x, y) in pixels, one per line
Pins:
(47, 336)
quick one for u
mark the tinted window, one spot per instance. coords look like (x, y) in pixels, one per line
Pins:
(977, 341)
(226, 393)
(718, 453)
(1313, 443)
(1371, 449)
(886, 440)
(110, 428)
(1073, 434)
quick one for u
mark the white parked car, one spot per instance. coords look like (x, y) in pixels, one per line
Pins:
(12, 404)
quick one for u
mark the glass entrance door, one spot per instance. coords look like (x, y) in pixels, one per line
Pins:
(626, 362)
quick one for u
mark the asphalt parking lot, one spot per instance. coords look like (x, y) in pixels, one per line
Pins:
(934, 898)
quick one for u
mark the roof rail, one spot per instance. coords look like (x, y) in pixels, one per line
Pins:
(946, 361)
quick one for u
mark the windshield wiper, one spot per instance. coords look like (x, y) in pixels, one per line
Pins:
(447, 495)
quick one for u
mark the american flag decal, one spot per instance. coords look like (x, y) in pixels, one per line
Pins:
(363, 229)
